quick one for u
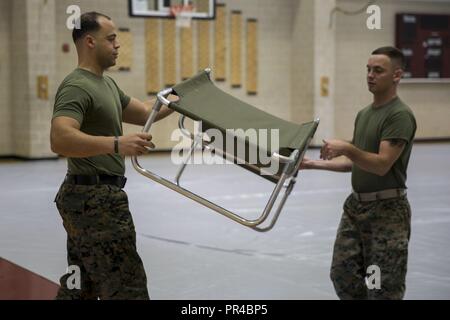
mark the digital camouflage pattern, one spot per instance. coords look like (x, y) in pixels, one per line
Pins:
(101, 242)
(372, 233)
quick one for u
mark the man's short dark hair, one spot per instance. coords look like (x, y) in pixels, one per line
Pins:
(394, 54)
(88, 23)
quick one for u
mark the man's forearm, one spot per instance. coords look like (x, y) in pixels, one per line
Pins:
(76, 144)
(340, 164)
(139, 112)
(164, 112)
(370, 162)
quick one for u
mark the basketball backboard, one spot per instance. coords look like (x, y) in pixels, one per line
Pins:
(201, 9)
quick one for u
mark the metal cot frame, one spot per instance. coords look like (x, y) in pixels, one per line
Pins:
(286, 180)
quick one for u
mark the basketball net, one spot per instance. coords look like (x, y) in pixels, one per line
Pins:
(182, 14)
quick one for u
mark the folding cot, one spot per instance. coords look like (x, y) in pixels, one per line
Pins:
(201, 100)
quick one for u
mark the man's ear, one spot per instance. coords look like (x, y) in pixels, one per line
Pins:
(398, 73)
(90, 41)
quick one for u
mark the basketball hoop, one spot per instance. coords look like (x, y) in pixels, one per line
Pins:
(182, 14)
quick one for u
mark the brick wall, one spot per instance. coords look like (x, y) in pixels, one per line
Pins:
(302, 62)
(5, 88)
(20, 90)
(31, 54)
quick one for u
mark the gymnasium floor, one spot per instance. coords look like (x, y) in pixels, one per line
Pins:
(190, 252)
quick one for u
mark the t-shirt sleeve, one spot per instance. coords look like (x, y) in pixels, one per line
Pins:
(124, 99)
(401, 125)
(354, 127)
(73, 102)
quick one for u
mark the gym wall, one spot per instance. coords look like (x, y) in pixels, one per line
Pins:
(28, 46)
(429, 101)
(296, 51)
(5, 69)
(274, 23)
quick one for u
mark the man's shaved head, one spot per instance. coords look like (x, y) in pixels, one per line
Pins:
(396, 56)
(88, 23)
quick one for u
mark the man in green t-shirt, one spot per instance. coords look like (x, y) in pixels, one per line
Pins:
(371, 248)
(87, 128)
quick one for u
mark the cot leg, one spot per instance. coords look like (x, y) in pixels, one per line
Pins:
(194, 145)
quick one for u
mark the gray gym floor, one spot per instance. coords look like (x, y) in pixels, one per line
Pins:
(191, 252)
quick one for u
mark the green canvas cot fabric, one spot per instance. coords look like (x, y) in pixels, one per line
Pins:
(201, 100)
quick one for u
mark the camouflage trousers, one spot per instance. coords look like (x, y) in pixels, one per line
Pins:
(101, 242)
(374, 233)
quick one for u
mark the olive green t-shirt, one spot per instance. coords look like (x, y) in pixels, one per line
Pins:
(96, 102)
(393, 120)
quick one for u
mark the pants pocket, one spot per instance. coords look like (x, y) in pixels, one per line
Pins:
(73, 202)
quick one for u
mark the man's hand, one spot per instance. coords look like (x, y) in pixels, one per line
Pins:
(340, 164)
(166, 111)
(334, 148)
(306, 164)
(173, 98)
(135, 144)
(377, 163)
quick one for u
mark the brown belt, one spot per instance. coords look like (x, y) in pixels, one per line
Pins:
(379, 195)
